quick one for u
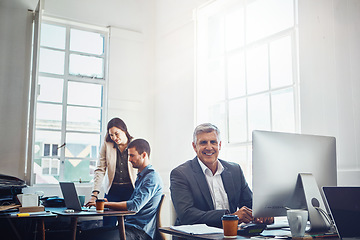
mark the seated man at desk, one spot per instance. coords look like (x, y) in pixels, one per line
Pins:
(205, 188)
(146, 196)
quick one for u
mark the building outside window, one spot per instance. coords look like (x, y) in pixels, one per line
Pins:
(246, 71)
(70, 101)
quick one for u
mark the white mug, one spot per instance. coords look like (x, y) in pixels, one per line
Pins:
(297, 221)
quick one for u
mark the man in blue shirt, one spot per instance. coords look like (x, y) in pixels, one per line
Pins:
(146, 196)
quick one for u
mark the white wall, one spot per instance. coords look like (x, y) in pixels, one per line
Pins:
(329, 49)
(15, 31)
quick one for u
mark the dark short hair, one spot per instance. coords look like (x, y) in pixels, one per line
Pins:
(140, 145)
(205, 128)
(117, 122)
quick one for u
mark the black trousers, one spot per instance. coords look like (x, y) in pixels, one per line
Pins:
(133, 233)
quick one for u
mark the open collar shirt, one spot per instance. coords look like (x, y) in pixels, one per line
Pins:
(216, 186)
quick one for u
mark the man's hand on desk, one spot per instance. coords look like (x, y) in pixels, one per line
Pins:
(266, 220)
(245, 216)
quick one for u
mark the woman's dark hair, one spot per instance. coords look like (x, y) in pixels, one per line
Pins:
(117, 122)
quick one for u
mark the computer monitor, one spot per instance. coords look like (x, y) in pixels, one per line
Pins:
(288, 172)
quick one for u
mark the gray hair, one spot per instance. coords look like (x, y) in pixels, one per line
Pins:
(205, 128)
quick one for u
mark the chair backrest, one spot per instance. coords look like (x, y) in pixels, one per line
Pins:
(158, 235)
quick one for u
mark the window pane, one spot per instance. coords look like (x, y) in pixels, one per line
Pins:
(216, 35)
(83, 119)
(86, 94)
(46, 149)
(217, 116)
(259, 113)
(86, 66)
(281, 63)
(77, 170)
(50, 89)
(239, 154)
(283, 112)
(257, 69)
(52, 36)
(82, 145)
(87, 42)
(51, 61)
(48, 116)
(236, 75)
(266, 17)
(237, 121)
(234, 29)
(43, 138)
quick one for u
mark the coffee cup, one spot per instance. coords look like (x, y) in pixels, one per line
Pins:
(100, 203)
(297, 219)
(230, 225)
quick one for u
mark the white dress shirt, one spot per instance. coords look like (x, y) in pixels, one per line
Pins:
(216, 186)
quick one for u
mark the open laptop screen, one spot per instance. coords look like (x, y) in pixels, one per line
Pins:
(70, 196)
(344, 205)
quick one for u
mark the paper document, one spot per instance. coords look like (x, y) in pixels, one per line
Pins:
(197, 229)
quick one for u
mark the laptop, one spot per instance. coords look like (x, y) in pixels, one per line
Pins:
(70, 196)
(344, 207)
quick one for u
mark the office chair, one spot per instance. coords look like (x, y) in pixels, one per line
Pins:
(158, 235)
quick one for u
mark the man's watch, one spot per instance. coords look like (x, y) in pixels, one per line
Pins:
(94, 196)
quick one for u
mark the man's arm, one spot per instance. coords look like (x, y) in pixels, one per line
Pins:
(117, 205)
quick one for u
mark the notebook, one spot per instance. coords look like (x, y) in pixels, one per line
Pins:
(70, 196)
(344, 207)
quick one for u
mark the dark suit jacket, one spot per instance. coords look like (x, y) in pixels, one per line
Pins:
(191, 195)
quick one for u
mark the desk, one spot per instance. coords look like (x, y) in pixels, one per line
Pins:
(217, 236)
(39, 217)
(75, 215)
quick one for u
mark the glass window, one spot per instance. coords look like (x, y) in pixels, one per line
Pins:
(246, 71)
(86, 66)
(281, 62)
(87, 42)
(53, 36)
(236, 75)
(51, 61)
(86, 94)
(50, 89)
(69, 107)
(257, 69)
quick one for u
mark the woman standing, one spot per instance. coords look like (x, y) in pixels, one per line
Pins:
(113, 169)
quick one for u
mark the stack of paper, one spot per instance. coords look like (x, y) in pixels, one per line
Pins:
(197, 229)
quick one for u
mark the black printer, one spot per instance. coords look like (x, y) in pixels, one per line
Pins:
(10, 187)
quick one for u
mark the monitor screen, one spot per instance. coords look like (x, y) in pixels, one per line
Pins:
(278, 159)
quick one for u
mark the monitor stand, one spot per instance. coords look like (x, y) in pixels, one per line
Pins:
(313, 201)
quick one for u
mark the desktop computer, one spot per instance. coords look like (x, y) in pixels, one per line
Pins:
(288, 172)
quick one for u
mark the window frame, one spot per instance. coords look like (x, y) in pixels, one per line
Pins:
(67, 77)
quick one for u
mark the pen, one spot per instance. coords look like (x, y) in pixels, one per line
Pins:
(23, 214)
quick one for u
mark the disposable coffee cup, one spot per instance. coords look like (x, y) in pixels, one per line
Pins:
(100, 203)
(230, 225)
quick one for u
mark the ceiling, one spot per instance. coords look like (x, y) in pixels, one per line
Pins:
(27, 4)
